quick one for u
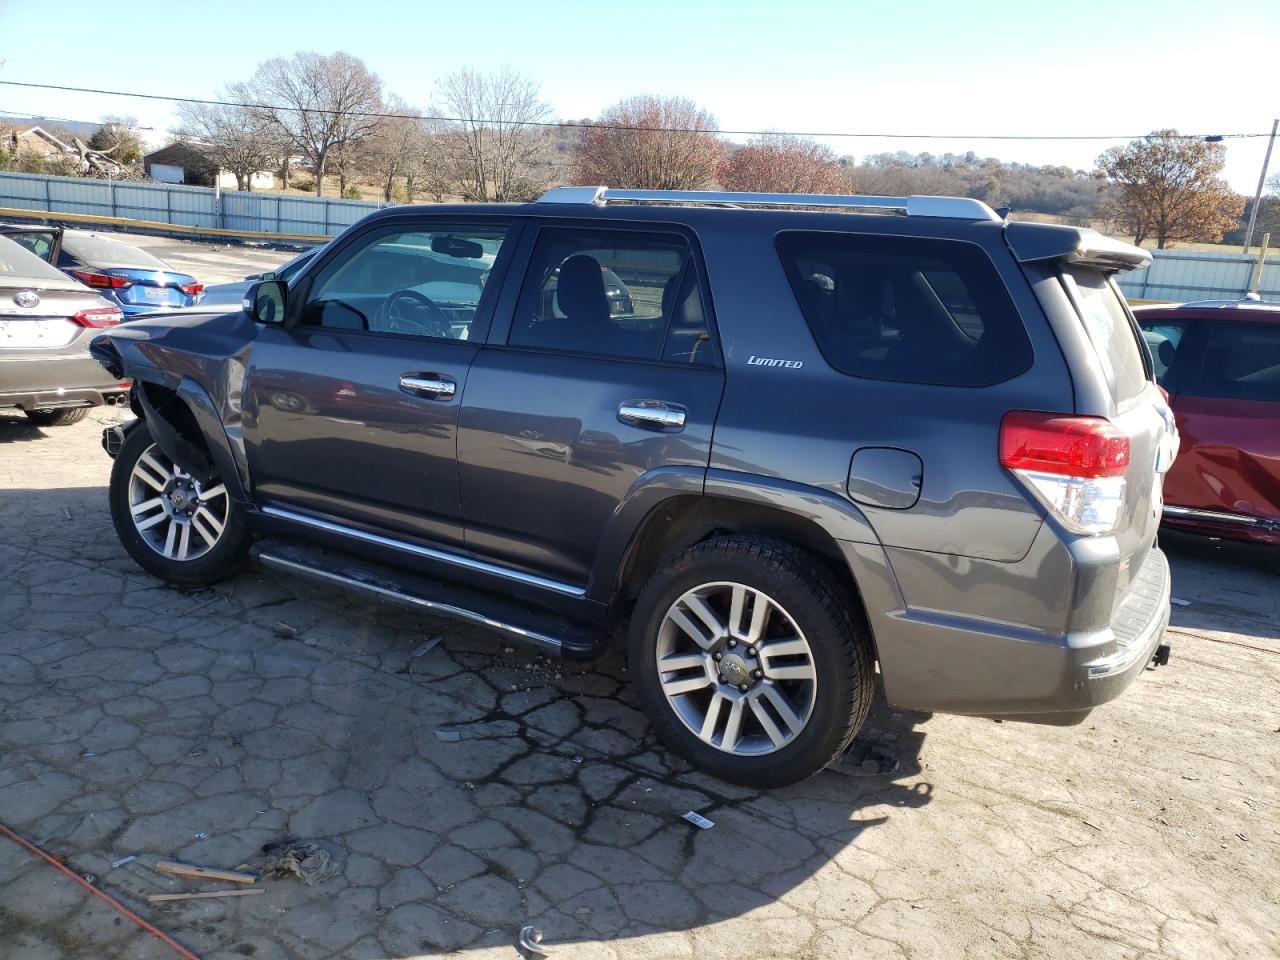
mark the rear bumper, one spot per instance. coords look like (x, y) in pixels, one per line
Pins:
(45, 382)
(948, 663)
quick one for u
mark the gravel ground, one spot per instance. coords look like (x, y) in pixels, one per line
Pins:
(475, 788)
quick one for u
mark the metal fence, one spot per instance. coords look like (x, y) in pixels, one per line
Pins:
(199, 207)
(1196, 275)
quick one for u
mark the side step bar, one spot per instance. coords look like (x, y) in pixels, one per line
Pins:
(543, 630)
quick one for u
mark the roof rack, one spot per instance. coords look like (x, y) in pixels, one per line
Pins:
(960, 208)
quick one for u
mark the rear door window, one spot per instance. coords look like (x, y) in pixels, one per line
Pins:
(906, 309)
(1241, 362)
(1164, 342)
(1106, 320)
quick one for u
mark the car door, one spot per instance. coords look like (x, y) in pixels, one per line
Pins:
(1227, 404)
(602, 367)
(351, 406)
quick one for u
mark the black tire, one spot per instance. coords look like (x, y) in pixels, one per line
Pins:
(227, 556)
(57, 417)
(821, 607)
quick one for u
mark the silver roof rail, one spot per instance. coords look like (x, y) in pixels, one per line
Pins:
(960, 208)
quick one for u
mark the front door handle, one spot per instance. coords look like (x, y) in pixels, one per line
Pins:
(653, 414)
(429, 385)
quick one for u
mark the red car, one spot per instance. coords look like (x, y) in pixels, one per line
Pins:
(1219, 361)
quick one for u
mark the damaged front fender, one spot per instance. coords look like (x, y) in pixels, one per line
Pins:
(188, 372)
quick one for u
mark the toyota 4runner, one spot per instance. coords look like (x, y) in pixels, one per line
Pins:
(770, 442)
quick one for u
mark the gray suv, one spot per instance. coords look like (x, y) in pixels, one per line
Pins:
(769, 442)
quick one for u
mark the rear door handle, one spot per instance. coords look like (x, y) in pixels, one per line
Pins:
(653, 414)
(429, 385)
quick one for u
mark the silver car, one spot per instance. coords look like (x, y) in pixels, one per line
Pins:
(46, 322)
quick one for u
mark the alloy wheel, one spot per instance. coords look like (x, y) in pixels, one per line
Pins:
(174, 514)
(736, 669)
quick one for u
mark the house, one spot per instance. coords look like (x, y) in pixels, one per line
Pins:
(189, 162)
(34, 141)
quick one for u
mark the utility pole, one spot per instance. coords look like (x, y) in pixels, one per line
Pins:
(1257, 197)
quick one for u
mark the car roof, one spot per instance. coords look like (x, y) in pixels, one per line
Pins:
(1258, 311)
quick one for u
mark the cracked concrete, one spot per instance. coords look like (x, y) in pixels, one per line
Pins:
(136, 719)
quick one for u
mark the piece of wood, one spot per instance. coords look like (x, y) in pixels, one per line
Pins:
(208, 895)
(206, 873)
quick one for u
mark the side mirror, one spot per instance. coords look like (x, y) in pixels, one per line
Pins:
(265, 301)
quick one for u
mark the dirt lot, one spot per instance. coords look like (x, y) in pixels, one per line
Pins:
(475, 788)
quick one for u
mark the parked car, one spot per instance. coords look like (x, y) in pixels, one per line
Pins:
(1219, 361)
(44, 241)
(231, 294)
(132, 279)
(46, 322)
(819, 440)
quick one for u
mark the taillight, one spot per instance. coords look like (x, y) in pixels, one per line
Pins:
(92, 278)
(191, 289)
(1074, 465)
(98, 317)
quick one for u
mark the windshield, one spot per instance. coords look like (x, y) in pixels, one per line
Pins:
(1107, 321)
(18, 262)
(108, 253)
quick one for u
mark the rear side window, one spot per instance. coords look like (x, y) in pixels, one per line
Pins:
(1163, 340)
(1241, 362)
(906, 309)
(613, 293)
(1106, 320)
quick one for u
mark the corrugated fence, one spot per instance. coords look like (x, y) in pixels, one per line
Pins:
(1175, 274)
(1195, 275)
(199, 207)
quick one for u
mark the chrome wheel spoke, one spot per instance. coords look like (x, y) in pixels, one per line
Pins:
(793, 720)
(207, 535)
(150, 522)
(771, 728)
(677, 686)
(155, 475)
(213, 493)
(184, 539)
(691, 629)
(712, 719)
(732, 726)
(170, 539)
(793, 646)
(214, 524)
(682, 661)
(702, 610)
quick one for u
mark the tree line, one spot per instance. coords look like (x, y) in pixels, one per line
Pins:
(493, 138)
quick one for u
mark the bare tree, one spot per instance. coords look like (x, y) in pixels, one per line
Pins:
(496, 151)
(1169, 187)
(650, 143)
(241, 140)
(784, 164)
(324, 103)
(396, 147)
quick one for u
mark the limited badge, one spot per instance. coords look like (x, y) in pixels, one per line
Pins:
(26, 298)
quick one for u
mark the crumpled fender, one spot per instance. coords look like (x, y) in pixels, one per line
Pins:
(198, 360)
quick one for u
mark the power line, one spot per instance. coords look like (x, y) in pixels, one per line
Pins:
(569, 124)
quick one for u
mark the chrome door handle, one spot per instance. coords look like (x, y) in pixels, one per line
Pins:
(428, 385)
(652, 414)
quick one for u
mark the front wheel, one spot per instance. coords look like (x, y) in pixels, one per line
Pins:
(174, 526)
(749, 661)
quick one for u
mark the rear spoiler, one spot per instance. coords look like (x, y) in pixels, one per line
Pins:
(1036, 242)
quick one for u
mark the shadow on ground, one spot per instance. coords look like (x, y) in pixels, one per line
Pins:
(466, 790)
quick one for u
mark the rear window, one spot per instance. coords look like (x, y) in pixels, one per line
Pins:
(1106, 319)
(100, 251)
(1241, 362)
(19, 263)
(906, 309)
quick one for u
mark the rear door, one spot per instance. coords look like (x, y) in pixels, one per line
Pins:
(351, 411)
(1227, 402)
(602, 368)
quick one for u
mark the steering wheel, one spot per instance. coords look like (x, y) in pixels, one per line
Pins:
(408, 311)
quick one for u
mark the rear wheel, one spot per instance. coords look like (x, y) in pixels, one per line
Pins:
(57, 417)
(749, 662)
(172, 524)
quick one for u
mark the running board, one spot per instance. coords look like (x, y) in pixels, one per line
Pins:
(545, 631)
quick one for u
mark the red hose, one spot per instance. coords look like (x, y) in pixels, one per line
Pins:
(164, 937)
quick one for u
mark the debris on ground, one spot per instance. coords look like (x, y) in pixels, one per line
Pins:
(448, 736)
(286, 631)
(529, 943)
(1179, 602)
(206, 895)
(877, 762)
(176, 869)
(425, 648)
(698, 820)
(308, 860)
(123, 860)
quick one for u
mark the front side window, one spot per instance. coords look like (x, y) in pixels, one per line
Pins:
(1163, 338)
(1241, 362)
(424, 282)
(906, 309)
(613, 293)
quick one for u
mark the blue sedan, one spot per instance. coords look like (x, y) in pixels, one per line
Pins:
(131, 278)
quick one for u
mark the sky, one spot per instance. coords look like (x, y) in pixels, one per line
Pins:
(1029, 68)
